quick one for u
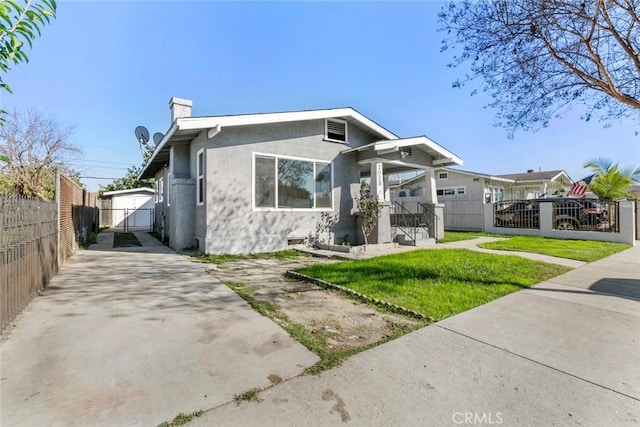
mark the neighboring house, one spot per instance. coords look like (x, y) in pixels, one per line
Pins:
(456, 183)
(130, 209)
(258, 182)
(464, 193)
(531, 185)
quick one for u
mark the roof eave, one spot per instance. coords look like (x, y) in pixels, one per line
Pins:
(167, 136)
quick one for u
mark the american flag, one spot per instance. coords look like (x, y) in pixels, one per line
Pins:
(580, 187)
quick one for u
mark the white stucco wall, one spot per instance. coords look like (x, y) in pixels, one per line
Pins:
(231, 224)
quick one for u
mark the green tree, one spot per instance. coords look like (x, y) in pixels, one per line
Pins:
(130, 180)
(540, 58)
(20, 22)
(611, 182)
(369, 207)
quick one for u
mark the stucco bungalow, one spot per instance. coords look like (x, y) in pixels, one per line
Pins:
(258, 182)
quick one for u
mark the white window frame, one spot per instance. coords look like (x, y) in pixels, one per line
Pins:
(443, 176)
(200, 177)
(495, 191)
(455, 191)
(302, 159)
(346, 131)
(160, 189)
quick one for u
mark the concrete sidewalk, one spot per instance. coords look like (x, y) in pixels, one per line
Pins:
(564, 352)
(134, 336)
(472, 244)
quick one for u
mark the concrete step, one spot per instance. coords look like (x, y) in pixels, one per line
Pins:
(421, 241)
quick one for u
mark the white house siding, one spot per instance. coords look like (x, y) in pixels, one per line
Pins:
(458, 180)
(232, 226)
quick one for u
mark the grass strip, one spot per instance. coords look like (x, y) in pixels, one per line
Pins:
(279, 255)
(181, 419)
(457, 236)
(125, 240)
(579, 250)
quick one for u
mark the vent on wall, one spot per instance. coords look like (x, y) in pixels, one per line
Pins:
(337, 130)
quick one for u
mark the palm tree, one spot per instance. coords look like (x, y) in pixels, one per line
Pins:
(611, 182)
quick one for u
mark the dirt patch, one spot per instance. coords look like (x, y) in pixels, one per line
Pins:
(343, 323)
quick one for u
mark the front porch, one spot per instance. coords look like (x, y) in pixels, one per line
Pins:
(417, 222)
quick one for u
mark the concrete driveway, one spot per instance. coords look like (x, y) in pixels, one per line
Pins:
(564, 352)
(134, 337)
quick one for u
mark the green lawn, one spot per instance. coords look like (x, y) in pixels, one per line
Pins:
(580, 250)
(280, 255)
(437, 283)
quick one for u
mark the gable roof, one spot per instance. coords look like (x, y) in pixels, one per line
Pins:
(185, 129)
(442, 155)
(478, 174)
(536, 176)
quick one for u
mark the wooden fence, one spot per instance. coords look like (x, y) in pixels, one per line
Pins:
(78, 216)
(28, 251)
(36, 237)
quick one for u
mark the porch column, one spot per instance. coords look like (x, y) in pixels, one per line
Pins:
(377, 180)
(430, 195)
(382, 233)
(431, 200)
(387, 192)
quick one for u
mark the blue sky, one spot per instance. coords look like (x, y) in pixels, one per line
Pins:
(106, 67)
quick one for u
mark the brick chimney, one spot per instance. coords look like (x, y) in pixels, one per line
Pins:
(180, 108)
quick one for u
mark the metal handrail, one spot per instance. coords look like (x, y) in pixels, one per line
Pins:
(430, 218)
(409, 223)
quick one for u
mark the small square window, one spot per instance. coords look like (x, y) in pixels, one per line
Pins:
(443, 175)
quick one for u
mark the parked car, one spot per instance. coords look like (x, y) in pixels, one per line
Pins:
(578, 214)
(518, 214)
(568, 213)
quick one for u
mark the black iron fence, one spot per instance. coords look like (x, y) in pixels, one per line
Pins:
(566, 214)
(586, 214)
(517, 214)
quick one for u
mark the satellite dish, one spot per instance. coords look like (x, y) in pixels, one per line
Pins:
(157, 137)
(142, 134)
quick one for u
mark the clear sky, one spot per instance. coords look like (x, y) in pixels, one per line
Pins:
(106, 67)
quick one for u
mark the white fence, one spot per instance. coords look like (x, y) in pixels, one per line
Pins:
(463, 213)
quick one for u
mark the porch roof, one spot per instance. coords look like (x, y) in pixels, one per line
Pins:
(440, 155)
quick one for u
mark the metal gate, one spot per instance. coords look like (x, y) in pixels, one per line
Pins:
(127, 219)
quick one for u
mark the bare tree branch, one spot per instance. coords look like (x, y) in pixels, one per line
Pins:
(34, 144)
(538, 57)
